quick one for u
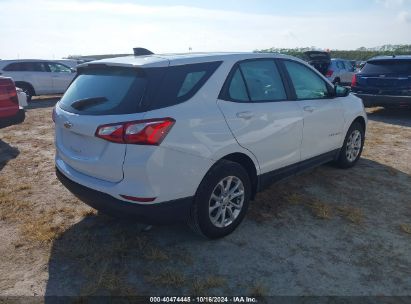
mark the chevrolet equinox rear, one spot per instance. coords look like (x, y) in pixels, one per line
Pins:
(166, 138)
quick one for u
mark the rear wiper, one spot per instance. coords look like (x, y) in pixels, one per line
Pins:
(86, 102)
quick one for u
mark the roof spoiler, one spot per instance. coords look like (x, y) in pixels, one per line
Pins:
(139, 51)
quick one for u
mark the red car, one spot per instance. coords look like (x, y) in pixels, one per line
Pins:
(10, 112)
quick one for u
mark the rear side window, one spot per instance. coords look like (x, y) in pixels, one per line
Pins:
(113, 91)
(258, 81)
(14, 67)
(307, 84)
(387, 67)
(179, 84)
(26, 66)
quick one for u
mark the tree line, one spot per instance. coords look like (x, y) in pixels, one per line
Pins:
(361, 53)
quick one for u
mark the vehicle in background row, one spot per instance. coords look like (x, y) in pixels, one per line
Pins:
(194, 137)
(71, 63)
(384, 81)
(337, 71)
(38, 77)
(10, 111)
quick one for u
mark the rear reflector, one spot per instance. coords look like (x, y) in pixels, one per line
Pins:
(329, 73)
(141, 132)
(138, 199)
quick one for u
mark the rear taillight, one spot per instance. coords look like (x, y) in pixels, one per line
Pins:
(8, 90)
(354, 80)
(142, 132)
(329, 73)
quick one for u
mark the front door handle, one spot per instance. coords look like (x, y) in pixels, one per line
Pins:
(245, 115)
(309, 109)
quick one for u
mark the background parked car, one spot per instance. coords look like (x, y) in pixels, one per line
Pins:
(384, 81)
(337, 71)
(10, 111)
(38, 77)
(71, 63)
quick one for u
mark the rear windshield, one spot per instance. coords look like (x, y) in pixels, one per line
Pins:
(113, 91)
(387, 67)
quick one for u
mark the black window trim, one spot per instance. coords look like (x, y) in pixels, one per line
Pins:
(330, 88)
(224, 94)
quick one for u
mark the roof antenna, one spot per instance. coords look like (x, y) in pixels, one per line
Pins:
(139, 51)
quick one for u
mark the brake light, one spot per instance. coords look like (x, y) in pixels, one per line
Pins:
(8, 91)
(142, 132)
(329, 73)
(354, 80)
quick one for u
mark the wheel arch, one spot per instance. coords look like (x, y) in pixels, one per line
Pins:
(361, 121)
(248, 164)
(26, 84)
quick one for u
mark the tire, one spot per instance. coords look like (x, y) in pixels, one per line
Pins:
(27, 88)
(351, 151)
(233, 210)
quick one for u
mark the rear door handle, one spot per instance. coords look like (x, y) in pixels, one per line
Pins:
(309, 109)
(245, 115)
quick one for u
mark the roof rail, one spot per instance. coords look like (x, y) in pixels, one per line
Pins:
(139, 51)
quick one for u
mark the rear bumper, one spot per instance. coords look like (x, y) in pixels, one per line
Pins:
(159, 213)
(12, 120)
(372, 100)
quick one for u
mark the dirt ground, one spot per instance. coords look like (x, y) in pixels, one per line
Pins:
(325, 232)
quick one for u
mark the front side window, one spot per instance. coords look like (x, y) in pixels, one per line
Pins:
(263, 80)
(58, 68)
(307, 84)
(256, 81)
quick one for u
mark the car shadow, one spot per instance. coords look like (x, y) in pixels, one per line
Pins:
(103, 256)
(400, 117)
(7, 153)
(42, 103)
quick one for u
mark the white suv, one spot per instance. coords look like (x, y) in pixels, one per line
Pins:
(194, 137)
(38, 77)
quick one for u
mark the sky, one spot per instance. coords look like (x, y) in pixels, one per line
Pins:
(53, 29)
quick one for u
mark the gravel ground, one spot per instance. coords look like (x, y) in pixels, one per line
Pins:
(325, 232)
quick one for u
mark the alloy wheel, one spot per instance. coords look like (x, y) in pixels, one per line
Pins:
(226, 201)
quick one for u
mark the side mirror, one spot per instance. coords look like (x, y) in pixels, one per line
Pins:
(340, 91)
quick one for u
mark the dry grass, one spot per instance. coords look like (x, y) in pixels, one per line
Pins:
(42, 230)
(258, 290)
(168, 277)
(354, 215)
(201, 287)
(295, 199)
(405, 228)
(155, 254)
(321, 210)
(89, 212)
